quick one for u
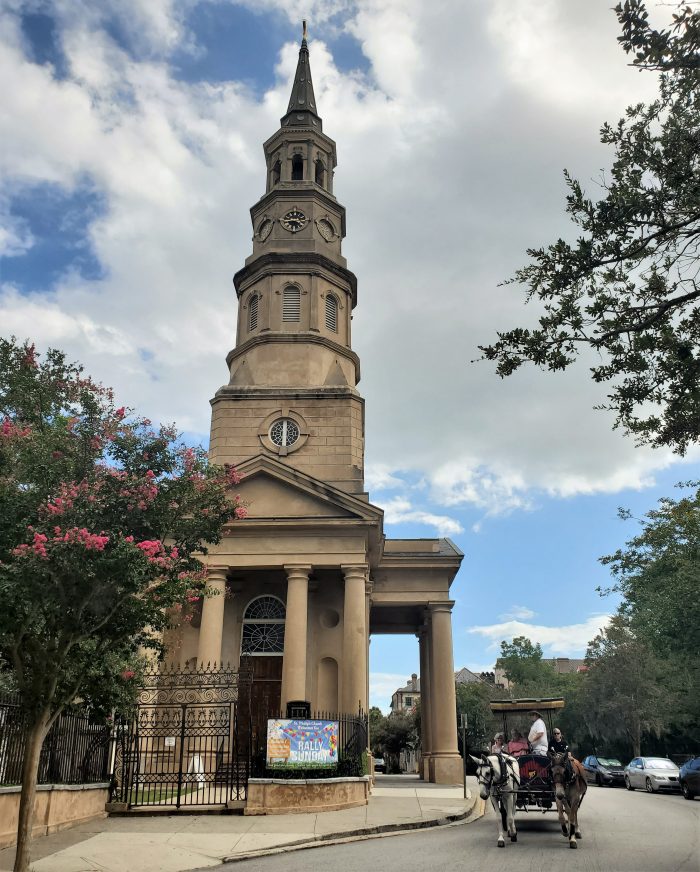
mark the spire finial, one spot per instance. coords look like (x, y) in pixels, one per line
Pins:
(303, 30)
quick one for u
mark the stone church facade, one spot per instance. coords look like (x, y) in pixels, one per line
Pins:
(309, 575)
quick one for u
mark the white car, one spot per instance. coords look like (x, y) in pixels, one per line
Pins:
(652, 774)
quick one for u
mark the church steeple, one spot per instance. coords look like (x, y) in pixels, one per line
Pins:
(301, 111)
(293, 373)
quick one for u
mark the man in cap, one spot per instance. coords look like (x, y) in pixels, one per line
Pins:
(537, 737)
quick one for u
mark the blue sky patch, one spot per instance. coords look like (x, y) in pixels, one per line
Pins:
(59, 221)
(42, 42)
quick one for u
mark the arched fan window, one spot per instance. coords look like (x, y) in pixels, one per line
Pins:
(331, 313)
(291, 304)
(253, 305)
(263, 627)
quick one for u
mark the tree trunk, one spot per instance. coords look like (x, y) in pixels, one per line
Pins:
(636, 739)
(30, 774)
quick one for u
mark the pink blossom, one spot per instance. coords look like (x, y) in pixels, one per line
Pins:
(128, 674)
(29, 358)
(120, 413)
(232, 477)
(241, 512)
(150, 547)
(128, 538)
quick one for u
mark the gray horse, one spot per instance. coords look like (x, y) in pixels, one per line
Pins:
(569, 789)
(499, 778)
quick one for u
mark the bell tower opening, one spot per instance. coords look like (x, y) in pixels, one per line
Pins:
(297, 168)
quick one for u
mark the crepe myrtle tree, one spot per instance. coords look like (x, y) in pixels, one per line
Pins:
(103, 519)
(627, 288)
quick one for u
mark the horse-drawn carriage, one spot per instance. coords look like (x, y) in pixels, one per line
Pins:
(530, 781)
(536, 790)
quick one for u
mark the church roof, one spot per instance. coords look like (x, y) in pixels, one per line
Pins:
(301, 111)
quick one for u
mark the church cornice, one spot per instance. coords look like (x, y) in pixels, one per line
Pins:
(270, 338)
(239, 392)
(279, 262)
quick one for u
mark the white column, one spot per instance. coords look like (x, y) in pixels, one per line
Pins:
(354, 639)
(211, 629)
(295, 634)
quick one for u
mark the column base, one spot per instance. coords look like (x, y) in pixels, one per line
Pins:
(424, 770)
(447, 769)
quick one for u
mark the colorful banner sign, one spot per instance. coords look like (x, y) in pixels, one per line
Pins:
(301, 744)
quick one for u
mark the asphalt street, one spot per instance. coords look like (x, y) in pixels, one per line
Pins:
(622, 832)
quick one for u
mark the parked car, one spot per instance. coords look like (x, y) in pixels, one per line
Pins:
(604, 770)
(652, 773)
(690, 778)
(379, 764)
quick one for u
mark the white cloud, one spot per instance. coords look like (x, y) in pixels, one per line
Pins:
(399, 510)
(519, 613)
(378, 476)
(382, 685)
(444, 194)
(571, 639)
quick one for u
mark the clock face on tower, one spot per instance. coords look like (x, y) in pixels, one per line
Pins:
(294, 220)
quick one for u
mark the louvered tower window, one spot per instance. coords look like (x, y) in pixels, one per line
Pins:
(291, 304)
(331, 313)
(253, 306)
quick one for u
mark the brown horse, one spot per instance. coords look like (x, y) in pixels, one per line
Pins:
(569, 789)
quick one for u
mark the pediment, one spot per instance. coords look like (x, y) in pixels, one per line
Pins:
(271, 489)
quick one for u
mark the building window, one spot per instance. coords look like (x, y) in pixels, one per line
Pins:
(263, 626)
(331, 313)
(253, 306)
(297, 168)
(284, 432)
(408, 701)
(291, 304)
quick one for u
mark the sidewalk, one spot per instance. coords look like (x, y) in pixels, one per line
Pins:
(175, 842)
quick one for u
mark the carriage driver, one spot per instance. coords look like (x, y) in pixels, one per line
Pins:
(537, 737)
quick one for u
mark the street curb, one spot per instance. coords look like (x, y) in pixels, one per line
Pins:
(327, 839)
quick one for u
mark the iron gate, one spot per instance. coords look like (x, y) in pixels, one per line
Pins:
(189, 740)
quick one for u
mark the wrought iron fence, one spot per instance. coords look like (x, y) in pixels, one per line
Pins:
(188, 742)
(76, 749)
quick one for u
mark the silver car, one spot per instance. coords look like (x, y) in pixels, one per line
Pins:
(652, 774)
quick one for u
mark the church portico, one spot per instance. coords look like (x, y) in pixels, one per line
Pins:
(299, 585)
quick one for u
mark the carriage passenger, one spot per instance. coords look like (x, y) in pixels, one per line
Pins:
(537, 737)
(517, 744)
(499, 744)
(558, 745)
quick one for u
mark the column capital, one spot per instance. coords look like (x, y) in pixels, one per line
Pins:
(217, 573)
(296, 570)
(441, 607)
(355, 570)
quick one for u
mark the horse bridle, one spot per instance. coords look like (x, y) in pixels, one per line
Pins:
(567, 771)
(503, 774)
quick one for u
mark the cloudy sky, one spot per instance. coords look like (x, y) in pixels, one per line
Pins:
(131, 152)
